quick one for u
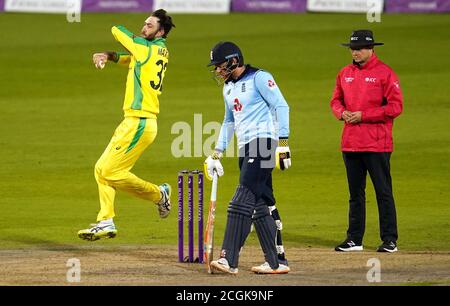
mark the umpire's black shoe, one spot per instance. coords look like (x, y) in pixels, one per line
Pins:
(388, 246)
(349, 246)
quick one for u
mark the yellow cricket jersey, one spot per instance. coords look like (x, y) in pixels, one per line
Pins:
(147, 63)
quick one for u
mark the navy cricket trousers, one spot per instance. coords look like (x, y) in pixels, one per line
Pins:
(256, 162)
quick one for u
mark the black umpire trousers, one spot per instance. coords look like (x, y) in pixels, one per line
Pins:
(378, 166)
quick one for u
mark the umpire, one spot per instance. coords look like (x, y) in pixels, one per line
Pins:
(367, 97)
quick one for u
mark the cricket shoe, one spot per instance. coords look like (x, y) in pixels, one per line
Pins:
(98, 231)
(164, 204)
(221, 265)
(388, 246)
(348, 246)
(265, 268)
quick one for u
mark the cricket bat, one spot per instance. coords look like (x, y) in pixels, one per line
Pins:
(209, 231)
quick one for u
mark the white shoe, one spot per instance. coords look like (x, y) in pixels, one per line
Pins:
(266, 269)
(164, 204)
(102, 229)
(221, 265)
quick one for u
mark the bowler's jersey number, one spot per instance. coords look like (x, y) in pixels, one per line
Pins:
(158, 86)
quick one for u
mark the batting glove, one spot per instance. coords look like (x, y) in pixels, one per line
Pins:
(283, 155)
(213, 163)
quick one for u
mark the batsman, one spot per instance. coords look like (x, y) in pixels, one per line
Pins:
(146, 58)
(257, 112)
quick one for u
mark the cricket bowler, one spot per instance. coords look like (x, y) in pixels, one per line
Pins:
(146, 57)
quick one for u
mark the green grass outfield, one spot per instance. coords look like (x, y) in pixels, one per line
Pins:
(58, 114)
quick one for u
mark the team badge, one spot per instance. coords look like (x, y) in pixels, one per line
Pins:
(271, 83)
(237, 105)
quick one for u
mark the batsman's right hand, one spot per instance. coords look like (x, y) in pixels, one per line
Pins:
(100, 60)
(213, 163)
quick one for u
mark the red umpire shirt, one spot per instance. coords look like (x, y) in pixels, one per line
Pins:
(373, 89)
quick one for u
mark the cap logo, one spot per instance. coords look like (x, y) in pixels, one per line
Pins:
(211, 55)
(369, 38)
(354, 38)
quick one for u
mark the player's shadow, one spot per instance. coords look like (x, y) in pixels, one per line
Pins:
(309, 241)
(42, 244)
(314, 241)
